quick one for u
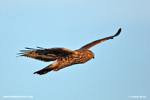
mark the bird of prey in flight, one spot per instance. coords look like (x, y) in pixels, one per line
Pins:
(64, 57)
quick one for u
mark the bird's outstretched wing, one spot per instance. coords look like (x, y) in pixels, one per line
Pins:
(45, 54)
(88, 46)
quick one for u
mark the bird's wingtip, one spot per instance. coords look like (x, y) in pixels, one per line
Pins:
(36, 73)
(118, 32)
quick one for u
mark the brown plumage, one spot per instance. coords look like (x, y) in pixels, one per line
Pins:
(63, 57)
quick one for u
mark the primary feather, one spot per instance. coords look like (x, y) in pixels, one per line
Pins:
(46, 54)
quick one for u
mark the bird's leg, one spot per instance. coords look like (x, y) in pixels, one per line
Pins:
(56, 69)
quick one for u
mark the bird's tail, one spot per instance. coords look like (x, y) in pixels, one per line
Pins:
(46, 69)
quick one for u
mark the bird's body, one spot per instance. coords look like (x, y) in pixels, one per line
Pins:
(64, 57)
(78, 57)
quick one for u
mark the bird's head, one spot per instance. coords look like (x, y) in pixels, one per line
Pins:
(90, 54)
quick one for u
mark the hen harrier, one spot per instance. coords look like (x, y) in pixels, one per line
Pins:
(64, 57)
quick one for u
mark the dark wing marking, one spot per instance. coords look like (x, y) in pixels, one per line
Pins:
(88, 46)
(44, 70)
(45, 54)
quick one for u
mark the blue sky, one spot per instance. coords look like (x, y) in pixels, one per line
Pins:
(120, 68)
